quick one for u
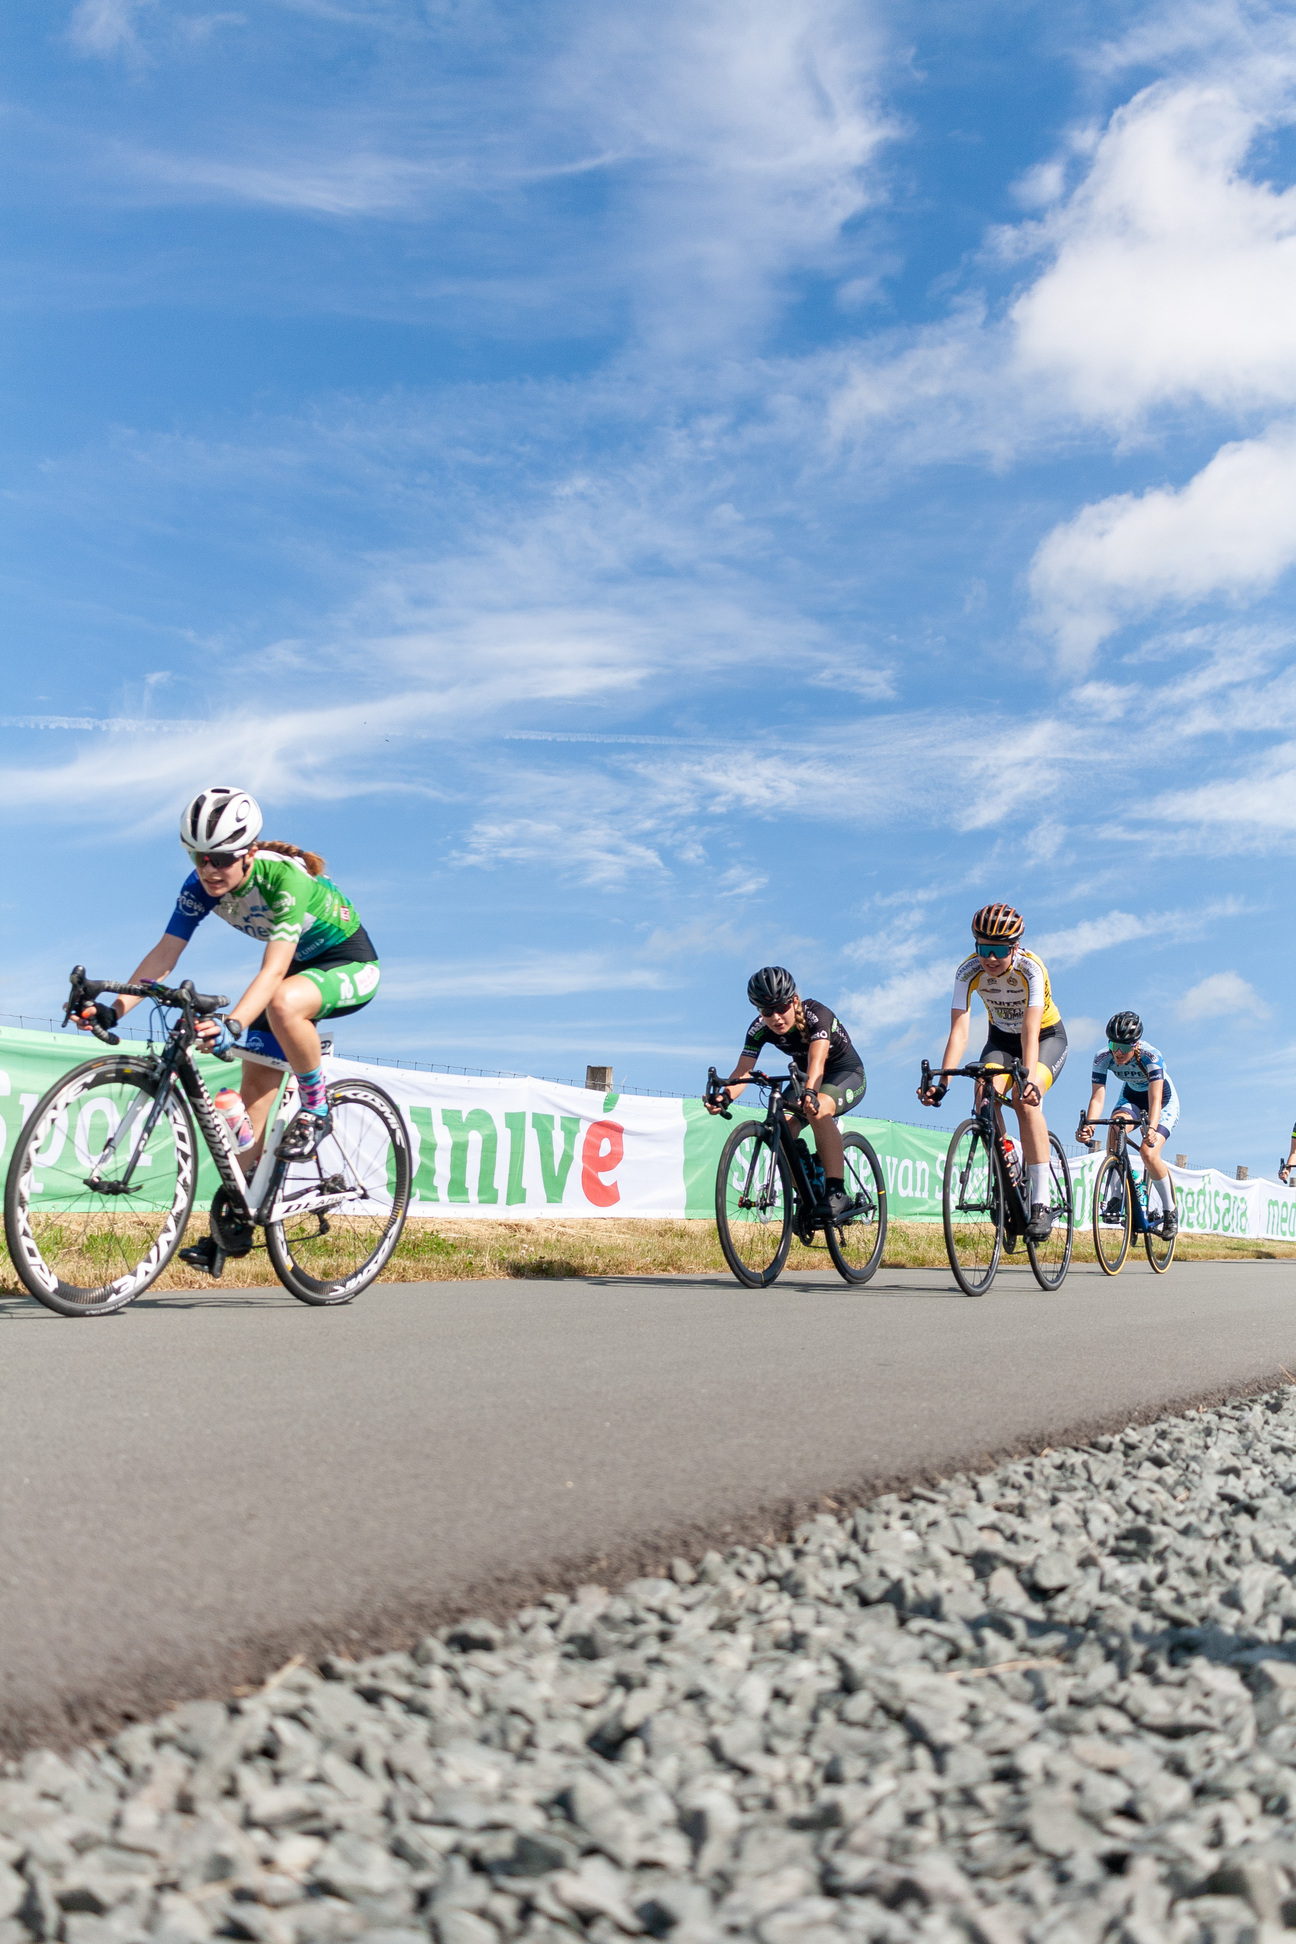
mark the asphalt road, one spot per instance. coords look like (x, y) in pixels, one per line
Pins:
(205, 1484)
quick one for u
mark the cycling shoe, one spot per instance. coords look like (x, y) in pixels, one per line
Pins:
(1040, 1225)
(303, 1135)
(205, 1255)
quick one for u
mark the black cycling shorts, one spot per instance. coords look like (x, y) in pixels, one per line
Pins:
(1052, 1049)
(845, 1090)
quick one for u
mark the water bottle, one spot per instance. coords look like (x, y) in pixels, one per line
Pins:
(1010, 1159)
(229, 1105)
(814, 1168)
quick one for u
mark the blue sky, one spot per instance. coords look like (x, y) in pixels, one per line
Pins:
(652, 490)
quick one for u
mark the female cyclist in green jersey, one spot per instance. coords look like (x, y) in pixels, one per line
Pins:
(318, 961)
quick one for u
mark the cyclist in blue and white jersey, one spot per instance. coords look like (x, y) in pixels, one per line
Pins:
(1146, 1088)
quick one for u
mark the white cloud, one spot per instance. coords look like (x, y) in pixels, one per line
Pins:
(1173, 274)
(1230, 531)
(1084, 1035)
(1122, 927)
(1222, 995)
(904, 1000)
(1253, 809)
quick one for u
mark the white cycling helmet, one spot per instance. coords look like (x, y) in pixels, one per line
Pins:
(220, 819)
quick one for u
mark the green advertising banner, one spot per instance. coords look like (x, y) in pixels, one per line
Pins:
(913, 1159)
(31, 1062)
(510, 1146)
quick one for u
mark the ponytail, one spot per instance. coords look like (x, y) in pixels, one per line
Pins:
(311, 859)
(798, 1018)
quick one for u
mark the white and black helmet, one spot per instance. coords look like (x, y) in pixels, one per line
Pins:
(220, 819)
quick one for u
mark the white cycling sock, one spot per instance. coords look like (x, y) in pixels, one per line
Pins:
(1164, 1188)
(1039, 1174)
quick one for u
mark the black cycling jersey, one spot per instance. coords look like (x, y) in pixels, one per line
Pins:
(821, 1023)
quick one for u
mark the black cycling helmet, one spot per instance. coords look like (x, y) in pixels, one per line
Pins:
(1125, 1028)
(997, 921)
(772, 988)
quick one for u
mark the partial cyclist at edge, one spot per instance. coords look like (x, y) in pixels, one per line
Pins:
(813, 1036)
(1146, 1088)
(1285, 1167)
(319, 961)
(1025, 1024)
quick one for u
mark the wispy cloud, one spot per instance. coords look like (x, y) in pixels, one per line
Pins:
(1222, 995)
(106, 27)
(1092, 935)
(524, 973)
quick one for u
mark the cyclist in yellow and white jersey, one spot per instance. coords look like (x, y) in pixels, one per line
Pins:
(1025, 1024)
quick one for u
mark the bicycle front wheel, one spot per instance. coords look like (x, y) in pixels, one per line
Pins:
(856, 1243)
(353, 1196)
(84, 1250)
(1051, 1259)
(1160, 1252)
(754, 1205)
(1113, 1215)
(972, 1205)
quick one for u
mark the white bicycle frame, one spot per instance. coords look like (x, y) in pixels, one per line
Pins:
(316, 1198)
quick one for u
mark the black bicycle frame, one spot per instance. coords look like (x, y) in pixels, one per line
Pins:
(173, 1066)
(782, 1095)
(1141, 1224)
(987, 1111)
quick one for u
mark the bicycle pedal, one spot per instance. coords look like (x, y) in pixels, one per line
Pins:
(205, 1256)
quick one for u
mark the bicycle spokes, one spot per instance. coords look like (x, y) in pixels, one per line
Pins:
(972, 1208)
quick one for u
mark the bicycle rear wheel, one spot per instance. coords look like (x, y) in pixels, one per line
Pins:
(856, 1243)
(1160, 1252)
(1051, 1259)
(84, 1251)
(754, 1205)
(972, 1205)
(361, 1174)
(1113, 1214)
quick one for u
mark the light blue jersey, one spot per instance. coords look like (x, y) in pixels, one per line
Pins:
(1136, 1075)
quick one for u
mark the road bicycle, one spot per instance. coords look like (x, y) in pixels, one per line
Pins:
(985, 1199)
(102, 1179)
(1120, 1201)
(768, 1184)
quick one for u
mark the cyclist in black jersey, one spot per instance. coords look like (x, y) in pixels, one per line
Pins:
(1285, 1167)
(810, 1032)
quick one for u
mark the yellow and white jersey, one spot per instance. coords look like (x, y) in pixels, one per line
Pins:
(1006, 995)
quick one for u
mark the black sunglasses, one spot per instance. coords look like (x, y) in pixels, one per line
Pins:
(772, 1012)
(217, 860)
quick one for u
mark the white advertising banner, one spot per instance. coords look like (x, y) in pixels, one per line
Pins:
(516, 1148)
(485, 1147)
(1209, 1203)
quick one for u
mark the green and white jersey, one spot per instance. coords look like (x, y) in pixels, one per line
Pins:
(280, 902)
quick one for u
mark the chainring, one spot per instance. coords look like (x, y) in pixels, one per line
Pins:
(231, 1229)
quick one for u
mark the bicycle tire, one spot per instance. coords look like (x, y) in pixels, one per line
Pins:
(62, 1235)
(1112, 1238)
(972, 1208)
(751, 1158)
(1159, 1253)
(856, 1246)
(1051, 1259)
(370, 1148)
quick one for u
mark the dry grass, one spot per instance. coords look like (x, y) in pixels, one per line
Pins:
(447, 1251)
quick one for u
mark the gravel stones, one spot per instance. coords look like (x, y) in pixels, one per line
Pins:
(1052, 1705)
